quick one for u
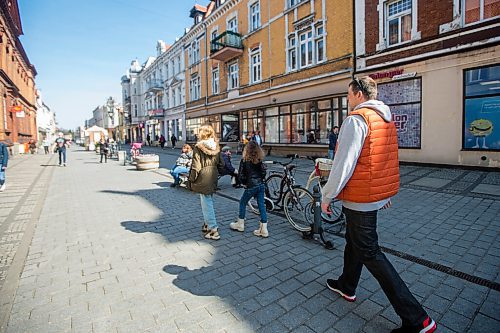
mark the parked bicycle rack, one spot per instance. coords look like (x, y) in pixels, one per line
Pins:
(317, 225)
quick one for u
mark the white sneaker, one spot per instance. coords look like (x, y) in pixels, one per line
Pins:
(239, 225)
(262, 231)
(2, 188)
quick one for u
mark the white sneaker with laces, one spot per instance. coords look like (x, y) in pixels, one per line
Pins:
(2, 188)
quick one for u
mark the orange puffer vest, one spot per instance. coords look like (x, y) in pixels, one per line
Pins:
(376, 176)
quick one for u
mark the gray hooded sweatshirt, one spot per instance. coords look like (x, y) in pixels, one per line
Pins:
(352, 136)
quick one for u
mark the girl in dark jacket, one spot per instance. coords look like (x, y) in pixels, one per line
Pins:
(205, 168)
(252, 173)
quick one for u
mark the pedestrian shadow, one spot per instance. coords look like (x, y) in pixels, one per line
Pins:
(274, 284)
(49, 165)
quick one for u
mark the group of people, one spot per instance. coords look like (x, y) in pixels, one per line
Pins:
(364, 175)
(161, 139)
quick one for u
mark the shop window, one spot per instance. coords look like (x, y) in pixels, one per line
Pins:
(230, 128)
(479, 10)
(482, 108)
(405, 100)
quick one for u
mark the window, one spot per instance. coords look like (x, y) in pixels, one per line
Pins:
(292, 3)
(179, 63)
(135, 110)
(482, 108)
(213, 35)
(193, 53)
(174, 97)
(398, 23)
(479, 10)
(254, 22)
(232, 82)
(232, 25)
(306, 49)
(215, 80)
(255, 66)
(319, 43)
(292, 53)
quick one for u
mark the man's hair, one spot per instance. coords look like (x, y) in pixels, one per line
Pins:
(366, 85)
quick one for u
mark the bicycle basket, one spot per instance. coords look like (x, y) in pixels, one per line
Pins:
(323, 166)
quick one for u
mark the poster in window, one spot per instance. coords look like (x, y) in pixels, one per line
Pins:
(482, 123)
(230, 128)
(404, 100)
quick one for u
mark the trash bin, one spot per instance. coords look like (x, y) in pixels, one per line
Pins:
(147, 162)
(122, 155)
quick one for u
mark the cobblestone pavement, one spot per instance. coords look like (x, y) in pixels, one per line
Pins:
(117, 250)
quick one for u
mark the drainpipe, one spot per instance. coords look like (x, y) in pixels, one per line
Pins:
(354, 38)
(207, 53)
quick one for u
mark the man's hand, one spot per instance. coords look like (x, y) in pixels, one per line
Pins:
(387, 205)
(4, 168)
(325, 208)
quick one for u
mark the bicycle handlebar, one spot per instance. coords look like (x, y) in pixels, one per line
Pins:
(293, 157)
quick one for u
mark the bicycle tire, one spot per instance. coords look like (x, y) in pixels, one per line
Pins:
(273, 187)
(254, 207)
(299, 209)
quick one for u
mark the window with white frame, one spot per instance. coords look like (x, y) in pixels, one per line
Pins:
(479, 10)
(291, 3)
(232, 24)
(194, 88)
(167, 74)
(213, 35)
(167, 99)
(305, 48)
(255, 65)
(254, 19)
(215, 80)
(178, 64)
(398, 21)
(174, 97)
(292, 53)
(232, 70)
(319, 43)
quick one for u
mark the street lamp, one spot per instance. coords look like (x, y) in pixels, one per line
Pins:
(111, 114)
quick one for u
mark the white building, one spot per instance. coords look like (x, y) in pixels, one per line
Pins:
(45, 120)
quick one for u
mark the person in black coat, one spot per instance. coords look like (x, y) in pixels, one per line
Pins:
(252, 172)
(332, 141)
(4, 159)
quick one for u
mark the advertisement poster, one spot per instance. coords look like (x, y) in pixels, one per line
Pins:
(482, 123)
(404, 99)
(230, 128)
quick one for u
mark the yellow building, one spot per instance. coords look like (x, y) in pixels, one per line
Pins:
(278, 67)
(17, 81)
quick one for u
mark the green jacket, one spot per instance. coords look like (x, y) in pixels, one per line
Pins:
(205, 167)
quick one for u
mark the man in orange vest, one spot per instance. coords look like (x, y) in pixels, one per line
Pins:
(365, 175)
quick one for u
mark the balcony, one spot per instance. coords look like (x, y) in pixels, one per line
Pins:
(154, 85)
(226, 46)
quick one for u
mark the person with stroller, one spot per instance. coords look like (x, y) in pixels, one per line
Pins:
(182, 165)
(252, 173)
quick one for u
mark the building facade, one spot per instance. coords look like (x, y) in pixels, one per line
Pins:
(45, 121)
(17, 81)
(277, 67)
(437, 64)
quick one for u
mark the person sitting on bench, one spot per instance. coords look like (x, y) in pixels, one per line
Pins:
(182, 165)
(228, 167)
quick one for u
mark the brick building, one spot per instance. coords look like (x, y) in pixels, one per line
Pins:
(437, 63)
(17, 81)
(279, 67)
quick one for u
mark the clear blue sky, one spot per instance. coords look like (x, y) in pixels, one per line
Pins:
(82, 48)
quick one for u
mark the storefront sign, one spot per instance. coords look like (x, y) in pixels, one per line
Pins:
(389, 74)
(404, 76)
(20, 114)
(157, 113)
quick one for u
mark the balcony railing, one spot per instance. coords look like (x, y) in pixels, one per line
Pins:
(153, 85)
(226, 46)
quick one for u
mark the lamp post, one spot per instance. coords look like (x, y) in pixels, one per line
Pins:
(111, 114)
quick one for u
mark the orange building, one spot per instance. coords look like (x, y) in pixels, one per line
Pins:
(278, 67)
(17, 80)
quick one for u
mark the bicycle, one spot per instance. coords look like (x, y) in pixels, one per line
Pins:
(319, 175)
(282, 192)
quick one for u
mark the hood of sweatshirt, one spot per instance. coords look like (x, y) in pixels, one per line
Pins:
(209, 146)
(377, 106)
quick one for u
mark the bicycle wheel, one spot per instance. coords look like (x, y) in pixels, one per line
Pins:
(299, 208)
(273, 185)
(254, 207)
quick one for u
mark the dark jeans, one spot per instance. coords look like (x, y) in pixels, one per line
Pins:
(62, 156)
(257, 191)
(46, 149)
(105, 154)
(362, 249)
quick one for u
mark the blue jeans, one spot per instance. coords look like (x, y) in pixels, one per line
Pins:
(331, 154)
(257, 191)
(62, 156)
(362, 249)
(2, 175)
(207, 207)
(176, 170)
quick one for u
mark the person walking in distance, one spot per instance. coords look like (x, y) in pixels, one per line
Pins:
(252, 173)
(4, 159)
(173, 139)
(205, 168)
(46, 145)
(365, 175)
(61, 144)
(162, 141)
(104, 149)
(332, 141)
